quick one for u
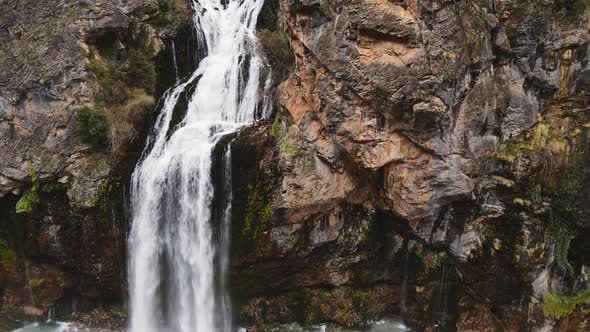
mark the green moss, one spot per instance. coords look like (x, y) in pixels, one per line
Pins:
(278, 132)
(537, 138)
(508, 151)
(7, 257)
(449, 54)
(289, 148)
(105, 189)
(431, 262)
(277, 126)
(29, 199)
(566, 209)
(559, 305)
(257, 217)
(35, 282)
(257, 211)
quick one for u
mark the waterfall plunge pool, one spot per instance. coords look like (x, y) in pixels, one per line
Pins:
(379, 326)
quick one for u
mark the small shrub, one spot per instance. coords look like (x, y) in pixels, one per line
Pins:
(123, 121)
(141, 72)
(168, 11)
(91, 127)
(380, 92)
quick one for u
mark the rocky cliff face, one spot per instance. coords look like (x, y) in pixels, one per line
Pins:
(428, 159)
(62, 220)
(422, 147)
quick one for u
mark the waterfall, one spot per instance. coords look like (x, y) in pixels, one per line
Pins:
(173, 50)
(176, 267)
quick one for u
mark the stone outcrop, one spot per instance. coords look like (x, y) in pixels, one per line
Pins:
(62, 203)
(428, 160)
(392, 134)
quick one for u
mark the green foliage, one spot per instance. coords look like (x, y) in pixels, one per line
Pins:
(168, 11)
(289, 148)
(566, 211)
(112, 89)
(30, 198)
(123, 120)
(91, 127)
(275, 42)
(561, 244)
(27, 201)
(278, 133)
(277, 126)
(7, 257)
(536, 139)
(124, 96)
(576, 7)
(35, 282)
(556, 187)
(257, 211)
(257, 216)
(105, 188)
(559, 305)
(52, 187)
(142, 71)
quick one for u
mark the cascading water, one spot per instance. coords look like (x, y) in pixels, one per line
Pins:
(175, 265)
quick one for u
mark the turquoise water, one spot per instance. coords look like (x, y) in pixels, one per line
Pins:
(57, 327)
(380, 326)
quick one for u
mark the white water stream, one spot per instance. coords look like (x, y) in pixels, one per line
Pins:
(176, 266)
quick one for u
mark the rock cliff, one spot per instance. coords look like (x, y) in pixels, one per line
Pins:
(72, 119)
(431, 163)
(427, 160)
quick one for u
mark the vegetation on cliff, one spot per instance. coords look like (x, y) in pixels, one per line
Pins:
(125, 92)
(555, 182)
(558, 305)
(7, 257)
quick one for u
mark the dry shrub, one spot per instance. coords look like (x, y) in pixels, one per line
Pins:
(123, 121)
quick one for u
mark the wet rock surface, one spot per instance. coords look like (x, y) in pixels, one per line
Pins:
(396, 135)
(63, 218)
(418, 164)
